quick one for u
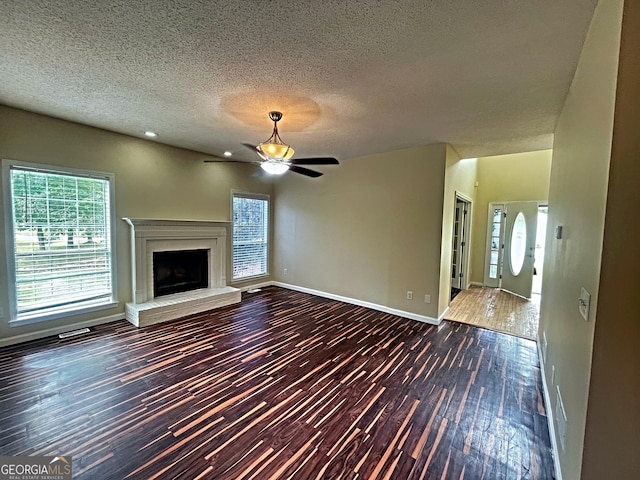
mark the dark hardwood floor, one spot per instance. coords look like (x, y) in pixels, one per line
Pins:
(284, 385)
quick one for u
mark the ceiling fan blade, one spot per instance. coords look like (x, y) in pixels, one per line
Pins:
(232, 161)
(255, 150)
(305, 171)
(315, 161)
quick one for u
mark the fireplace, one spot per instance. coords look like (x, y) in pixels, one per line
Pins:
(178, 268)
(180, 271)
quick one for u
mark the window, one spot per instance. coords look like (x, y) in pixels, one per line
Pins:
(60, 237)
(250, 235)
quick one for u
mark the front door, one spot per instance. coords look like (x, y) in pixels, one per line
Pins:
(519, 247)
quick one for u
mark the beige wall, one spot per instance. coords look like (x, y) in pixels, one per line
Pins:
(460, 177)
(612, 437)
(152, 181)
(505, 178)
(577, 198)
(369, 229)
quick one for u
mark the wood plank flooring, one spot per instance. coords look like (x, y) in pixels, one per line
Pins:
(496, 310)
(284, 385)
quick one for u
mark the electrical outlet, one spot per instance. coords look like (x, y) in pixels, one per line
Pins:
(409, 295)
(285, 272)
(544, 346)
(553, 374)
(427, 299)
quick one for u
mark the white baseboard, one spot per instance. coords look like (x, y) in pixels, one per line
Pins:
(550, 419)
(362, 303)
(475, 284)
(26, 337)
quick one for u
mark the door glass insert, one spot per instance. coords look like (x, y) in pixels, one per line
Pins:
(493, 271)
(518, 243)
(495, 242)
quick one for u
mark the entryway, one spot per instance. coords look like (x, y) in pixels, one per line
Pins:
(512, 244)
(509, 300)
(497, 310)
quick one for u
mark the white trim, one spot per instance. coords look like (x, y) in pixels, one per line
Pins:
(476, 284)
(245, 194)
(464, 197)
(255, 196)
(9, 224)
(441, 317)
(26, 337)
(463, 265)
(54, 314)
(493, 282)
(244, 288)
(550, 419)
(362, 303)
(9, 240)
(249, 279)
(155, 235)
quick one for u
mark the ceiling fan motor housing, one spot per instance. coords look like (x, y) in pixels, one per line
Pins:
(275, 116)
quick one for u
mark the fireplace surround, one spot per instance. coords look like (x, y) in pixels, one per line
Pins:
(152, 236)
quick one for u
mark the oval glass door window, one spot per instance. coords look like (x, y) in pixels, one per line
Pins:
(518, 244)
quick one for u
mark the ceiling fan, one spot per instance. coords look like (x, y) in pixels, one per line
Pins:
(276, 155)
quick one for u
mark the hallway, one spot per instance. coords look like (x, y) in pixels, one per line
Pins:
(496, 310)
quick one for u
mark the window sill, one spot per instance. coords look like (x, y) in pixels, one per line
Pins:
(56, 313)
(248, 279)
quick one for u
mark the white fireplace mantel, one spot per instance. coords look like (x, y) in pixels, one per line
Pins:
(157, 235)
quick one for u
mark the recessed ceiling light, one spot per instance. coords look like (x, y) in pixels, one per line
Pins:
(227, 153)
(150, 134)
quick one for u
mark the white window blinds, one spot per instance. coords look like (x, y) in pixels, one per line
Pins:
(62, 251)
(250, 235)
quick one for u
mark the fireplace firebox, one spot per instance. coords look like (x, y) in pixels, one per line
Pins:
(180, 271)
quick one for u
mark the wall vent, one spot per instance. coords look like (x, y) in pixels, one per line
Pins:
(73, 333)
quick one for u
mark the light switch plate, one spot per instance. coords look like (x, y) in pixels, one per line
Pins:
(584, 302)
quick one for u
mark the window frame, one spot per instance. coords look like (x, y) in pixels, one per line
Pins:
(53, 313)
(254, 196)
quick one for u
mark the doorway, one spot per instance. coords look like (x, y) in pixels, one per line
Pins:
(509, 300)
(460, 244)
(512, 238)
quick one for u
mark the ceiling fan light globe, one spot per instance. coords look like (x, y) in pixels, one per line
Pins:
(274, 168)
(276, 151)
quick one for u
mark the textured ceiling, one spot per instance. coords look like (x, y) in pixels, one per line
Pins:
(352, 76)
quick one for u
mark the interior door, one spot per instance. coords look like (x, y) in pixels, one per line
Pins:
(456, 257)
(459, 247)
(519, 247)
